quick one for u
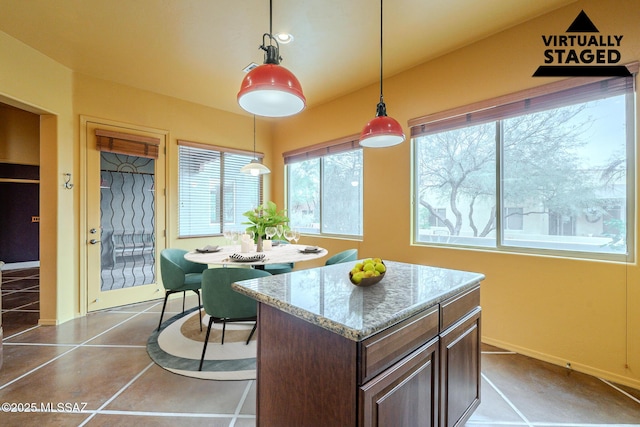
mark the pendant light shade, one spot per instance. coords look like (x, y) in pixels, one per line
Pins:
(254, 167)
(381, 131)
(271, 90)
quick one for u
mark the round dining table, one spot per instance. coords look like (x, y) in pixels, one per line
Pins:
(280, 254)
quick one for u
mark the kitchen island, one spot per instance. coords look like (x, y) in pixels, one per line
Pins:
(403, 352)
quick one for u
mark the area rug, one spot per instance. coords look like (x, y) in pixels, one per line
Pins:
(177, 347)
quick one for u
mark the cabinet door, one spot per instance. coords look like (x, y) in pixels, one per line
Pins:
(404, 395)
(460, 370)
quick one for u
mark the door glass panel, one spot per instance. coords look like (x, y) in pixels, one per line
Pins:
(127, 219)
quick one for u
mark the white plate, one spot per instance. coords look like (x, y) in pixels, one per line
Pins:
(310, 250)
(208, 249)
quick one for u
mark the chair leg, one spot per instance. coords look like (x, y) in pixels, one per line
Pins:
(206, 341)
(184, 297)
(166, 295)
(224, 325)
(199, 307)
(255, 325)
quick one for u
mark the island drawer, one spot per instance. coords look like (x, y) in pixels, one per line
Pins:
(455, 308)
(383, 349)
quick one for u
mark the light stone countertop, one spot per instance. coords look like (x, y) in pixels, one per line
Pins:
(324, 296)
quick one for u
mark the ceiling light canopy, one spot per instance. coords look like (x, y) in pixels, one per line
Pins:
(254, 167)
(271, 90)
(381, 131)
(284, 38)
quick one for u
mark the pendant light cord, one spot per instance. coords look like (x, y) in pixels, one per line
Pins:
(254, 137)
(270, 18)
(381, 97)
(272, 53)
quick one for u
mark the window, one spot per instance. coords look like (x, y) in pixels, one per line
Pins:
(213, 193)
(324, 188)
(438, 217)
(556, 158)
(513, 218)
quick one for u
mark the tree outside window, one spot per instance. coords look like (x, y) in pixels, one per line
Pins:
(325, 194)
(562, 179)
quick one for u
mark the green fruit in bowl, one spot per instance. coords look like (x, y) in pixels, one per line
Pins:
(357, 277)
(367, 272)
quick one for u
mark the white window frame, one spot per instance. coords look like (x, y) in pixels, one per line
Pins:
(492, 107)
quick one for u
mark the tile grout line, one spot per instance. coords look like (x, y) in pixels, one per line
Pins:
(483, 423)
(76, 346)
(620, 390)
(35, 344)
(243, 398)
(156, 414)
(118, 393)
(20, 333)
(37, 368)
(19, 307)
(28, 290)
(506, 399)
(6, 279)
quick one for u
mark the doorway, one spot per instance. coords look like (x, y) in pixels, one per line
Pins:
(20, 217)
(124, 213)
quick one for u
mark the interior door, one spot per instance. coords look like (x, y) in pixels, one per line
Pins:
(125, 218)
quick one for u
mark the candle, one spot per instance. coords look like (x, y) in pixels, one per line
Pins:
(246, 244)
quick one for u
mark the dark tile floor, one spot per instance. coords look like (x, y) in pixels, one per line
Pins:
(98, 369)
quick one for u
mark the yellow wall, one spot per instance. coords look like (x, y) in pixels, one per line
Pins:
(578, 311)
(183, 120)
(19, 136)
(560, 310)
(33, 82)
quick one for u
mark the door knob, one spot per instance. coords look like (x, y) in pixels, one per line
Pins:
(94, 241)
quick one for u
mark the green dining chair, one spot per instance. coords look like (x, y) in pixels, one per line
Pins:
(279, 268)
(344, 256)
(223, 304)
(180, 275)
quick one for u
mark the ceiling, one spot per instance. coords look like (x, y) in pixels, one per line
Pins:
(196, 49)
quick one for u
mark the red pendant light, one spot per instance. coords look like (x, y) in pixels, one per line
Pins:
(271, 90)
(381, 131)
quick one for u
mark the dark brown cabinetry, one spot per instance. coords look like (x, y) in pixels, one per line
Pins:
(460, 370)
(422, 371)
(459, 357)
(405, 395)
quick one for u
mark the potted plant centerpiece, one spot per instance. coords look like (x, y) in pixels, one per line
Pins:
(263, 216)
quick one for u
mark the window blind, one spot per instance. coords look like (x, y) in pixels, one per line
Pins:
(322, 149)
(556, 94)
(129, 144)
(213, 193)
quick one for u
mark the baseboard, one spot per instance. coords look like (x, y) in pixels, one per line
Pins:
(585, 369)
